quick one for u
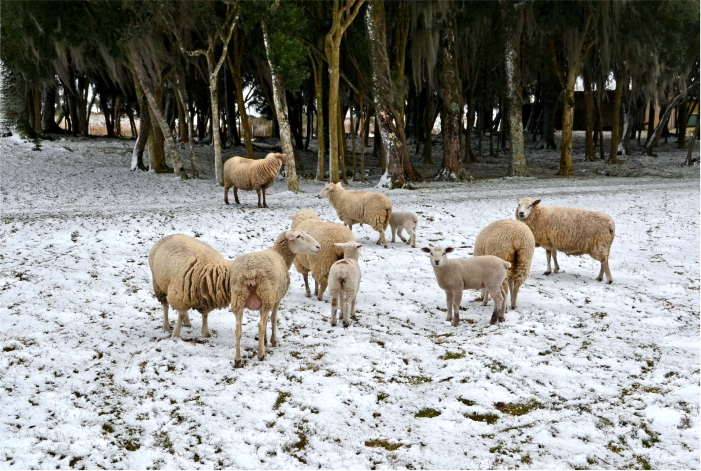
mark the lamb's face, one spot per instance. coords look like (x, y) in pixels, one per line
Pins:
(300, 242)
(328, 188)
(525, 206)
(280, 157)
(438, 255)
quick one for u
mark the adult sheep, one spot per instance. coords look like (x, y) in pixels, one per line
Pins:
(511, 241)
(327, 234)
(249, 174)
(570, 230)
(360, 207)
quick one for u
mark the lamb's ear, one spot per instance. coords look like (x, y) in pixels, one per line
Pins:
(291, 217)
(339, 245)
(338, 185)
(517, 200)
(535, 202)
(357, 246)
(425, 249)
(289, 235)
(449, 250)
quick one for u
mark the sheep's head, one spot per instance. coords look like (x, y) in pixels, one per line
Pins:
(300, 242)
(438, 255)
(280, 157)
(303, 215)
(350, 249)
(525, 206)
(328, 189)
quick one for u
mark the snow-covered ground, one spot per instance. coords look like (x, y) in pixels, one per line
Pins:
(582, 375)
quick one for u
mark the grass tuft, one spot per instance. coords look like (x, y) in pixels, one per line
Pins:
(427, 413)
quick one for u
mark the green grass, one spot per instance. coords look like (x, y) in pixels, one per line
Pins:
(281, 399)
(377, 443)
(518, 408)
(489, 418)
(452, 356)
(427, 413)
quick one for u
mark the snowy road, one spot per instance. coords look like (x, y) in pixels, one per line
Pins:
(582, 375)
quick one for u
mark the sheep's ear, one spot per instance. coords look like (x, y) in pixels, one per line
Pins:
(517, 200)
(339, 245)
(289, 235)
(535, 202)
(357, 246)
(425, 249)
(449, 250)
(291, 217)
(338, 185)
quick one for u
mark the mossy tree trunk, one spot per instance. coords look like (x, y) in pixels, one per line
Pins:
(450, 92)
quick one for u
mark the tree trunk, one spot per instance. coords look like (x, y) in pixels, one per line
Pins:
(429, 121)
(48, 111)
(333, 55)
(317, 67)
(663, 121)
(589, 153)
(682, 118)
(181, 94)
(621, 81)
(183, 128)
(689, 160)
(235, 68)
(281, 112)
(567, 123)
(137, 155)
(449, 88)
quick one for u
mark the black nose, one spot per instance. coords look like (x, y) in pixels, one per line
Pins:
(436, 263)
(520, 214)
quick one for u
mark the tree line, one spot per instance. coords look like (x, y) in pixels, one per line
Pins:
(190, 68)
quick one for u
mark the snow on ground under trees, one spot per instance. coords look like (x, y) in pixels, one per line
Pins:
(582, 375)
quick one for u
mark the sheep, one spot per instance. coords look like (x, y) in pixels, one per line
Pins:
(511, 241)
(570, 230)
(260, 280)
(458, 274)
(327, 234)
(344, 281)
(404, 220)
(363, 207)
(248, 174)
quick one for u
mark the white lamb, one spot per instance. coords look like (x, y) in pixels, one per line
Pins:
(360, 207)
(458, 274)
(344, 281)
(260, 280)
(404, 220)
(570, 230)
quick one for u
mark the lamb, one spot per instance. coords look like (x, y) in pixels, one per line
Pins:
(344, 281)
(404, 220)
(189, 274)
(511, 241)
(363, 207)
(260, 280)
(456, 275)
(327, 234)
(248, 174)
(570, 230)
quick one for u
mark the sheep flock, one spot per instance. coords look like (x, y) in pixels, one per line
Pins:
(189, 274)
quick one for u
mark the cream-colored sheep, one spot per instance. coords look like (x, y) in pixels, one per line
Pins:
(327, 234)
(260, 280)
(344, 282)
(458, 274)
(404, 220)
(249, 174)
(189, 274)
(570, 230)
(511, 241)
(360, 207)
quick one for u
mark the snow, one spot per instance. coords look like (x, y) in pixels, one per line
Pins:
(609, 373)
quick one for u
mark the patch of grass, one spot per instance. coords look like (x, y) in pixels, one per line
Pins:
(108, 428)
(518, 408)
(281, 399)
(467, 402)
(415, 380)
(489, 418)
(74, 461)
(381, 397)
(526, 459)
(670, 374)
(653, 437)
(9, 348)
(599, 315)
(614, 448)
(378, 443)
(498, 367)
(427, 413)
(452, 356)
(643, 462)
(163, 440)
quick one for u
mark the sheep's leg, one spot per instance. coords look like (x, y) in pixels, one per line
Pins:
(412, 237)
(457, 298)
(382, 237)
(557, 267)
(265, 204)
(605, 268)
(394, 230)
(186, 321)
(166, 324)
(352, 313)
(205, 326)
(503, 304)
(449, 305)
(485, 296)
(262, 332)
(334, 305)
(273, 321)
(347, 308)
(316, 287)
(236, 197)
(548, 254)
(238, 363)
(514, 287)
(306, 284)
(499, 299)
(181, 317)
(399, 233)
(258, 193)
(322, 289)
(226, 194)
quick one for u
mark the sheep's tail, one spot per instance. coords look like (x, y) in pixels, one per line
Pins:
(506, 264)
(388, 212)
(342, 281)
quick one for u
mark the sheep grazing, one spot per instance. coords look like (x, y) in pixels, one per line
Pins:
(570, 230)
(404, 220)
(458, 274)
(189, 274)
(327, 234)
(248, 174)
(511, 241)
(260, 280)
(344, 281)
(360, 207)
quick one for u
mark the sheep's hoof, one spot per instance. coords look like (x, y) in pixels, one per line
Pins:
(455, 322)
(346, 324)
(333, 323)
(207, 335)
(226, 201)
(309, 294)
(547, 273)
(494, 319)
(238, 363)
(273, 343)
(261, 358)
(609, 282)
